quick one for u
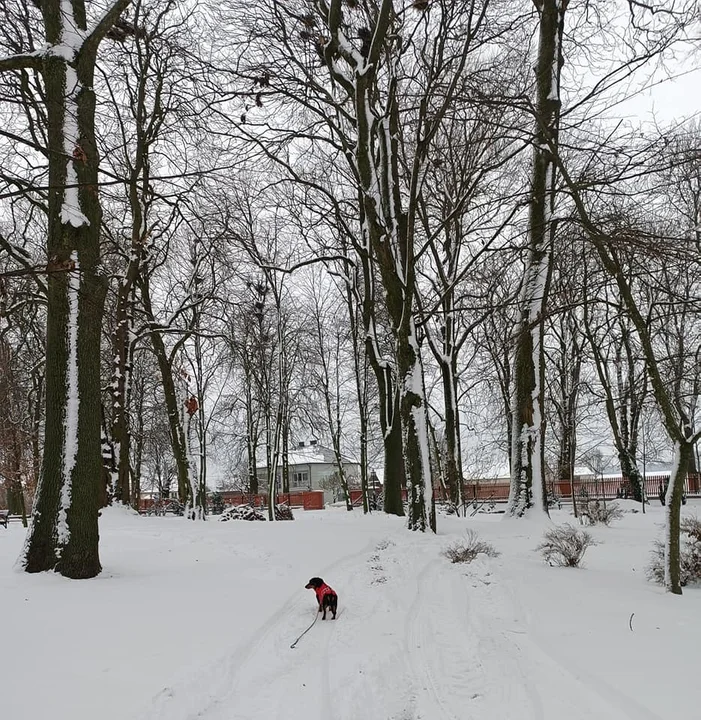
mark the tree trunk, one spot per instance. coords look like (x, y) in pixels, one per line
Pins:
(63, 535)
(453, 461)
(631, 474)
(251, 439)
(390, 424)
(394, 474)
(123, 352)
(673, 504)
(528, 419)
(175, 426)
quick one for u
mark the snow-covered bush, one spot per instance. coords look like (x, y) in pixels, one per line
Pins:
(241, 512)
(564, 546)
(283, 512)
(446, 507)
(598, 513)
(468, 548)
(690, 554)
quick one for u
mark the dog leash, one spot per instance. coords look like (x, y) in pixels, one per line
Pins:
(316, 617)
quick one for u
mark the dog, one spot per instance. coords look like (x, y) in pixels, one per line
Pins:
(326, 597)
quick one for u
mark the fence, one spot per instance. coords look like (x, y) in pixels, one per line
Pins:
(615, 487)
(308, 499)
(608, 487)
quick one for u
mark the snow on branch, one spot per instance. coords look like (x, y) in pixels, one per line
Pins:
(21, 62)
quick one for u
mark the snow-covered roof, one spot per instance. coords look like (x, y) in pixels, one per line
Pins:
(311, 455)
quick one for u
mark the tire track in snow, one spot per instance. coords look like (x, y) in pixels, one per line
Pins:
(440, 648)
(573, 691)
(510, 692)
(417, 647)
(210, 691)
(467, 667)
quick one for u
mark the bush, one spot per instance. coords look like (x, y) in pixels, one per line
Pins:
(217, 503)
(283, 512)
(564, 546)
(690, 554)
(464, 551)
(596, 512)
(241, 512)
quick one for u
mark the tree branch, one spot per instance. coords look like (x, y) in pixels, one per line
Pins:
(103, 26)
(21, 62)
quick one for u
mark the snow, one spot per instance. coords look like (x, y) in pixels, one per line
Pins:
(70, 210)
(70, 437)
(71, 41)
(195, 620)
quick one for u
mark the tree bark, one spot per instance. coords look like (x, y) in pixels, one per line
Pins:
(528, 419)
(63, 535)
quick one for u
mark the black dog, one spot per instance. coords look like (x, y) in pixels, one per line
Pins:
(326, 597)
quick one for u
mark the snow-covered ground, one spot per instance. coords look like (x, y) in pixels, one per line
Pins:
(195, 620)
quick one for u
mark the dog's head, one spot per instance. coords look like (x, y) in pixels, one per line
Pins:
(314, 583)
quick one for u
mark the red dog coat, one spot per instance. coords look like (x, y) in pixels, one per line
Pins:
(321, 591)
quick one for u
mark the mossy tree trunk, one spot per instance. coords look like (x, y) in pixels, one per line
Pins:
(63, 534)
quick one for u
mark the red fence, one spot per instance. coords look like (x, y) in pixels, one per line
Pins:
(308, 499)
(608, 487)
(612, 487)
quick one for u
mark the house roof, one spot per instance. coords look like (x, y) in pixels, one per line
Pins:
(312, 455)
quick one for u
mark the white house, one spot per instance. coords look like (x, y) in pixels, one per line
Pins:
(310, 466)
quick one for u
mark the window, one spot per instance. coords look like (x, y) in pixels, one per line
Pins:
(300, 479)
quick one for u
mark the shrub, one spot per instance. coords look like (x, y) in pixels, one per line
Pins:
(690, 554)
(596, 512)
(466, 550)
(564, 546)
(241, 512)
(283, 512)
(217, 503)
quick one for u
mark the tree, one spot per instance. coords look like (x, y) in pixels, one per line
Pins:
(622, 375)
(327, 349)
(63, 535)
(528, 422)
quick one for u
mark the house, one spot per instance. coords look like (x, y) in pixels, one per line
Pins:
(312, 467)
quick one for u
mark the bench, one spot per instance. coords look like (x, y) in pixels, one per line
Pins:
(5, 518)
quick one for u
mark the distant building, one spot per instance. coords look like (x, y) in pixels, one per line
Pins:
(311, 468)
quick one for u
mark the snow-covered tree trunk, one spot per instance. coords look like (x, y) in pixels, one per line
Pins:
(123, 349)
(195, 499)
(417, 455)
(447, 363)
(63, 535)
(673, 504)
(387, 231)
(390, 422)
(528, 419)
